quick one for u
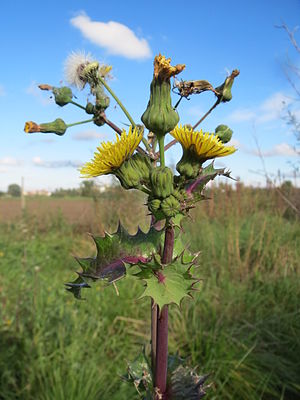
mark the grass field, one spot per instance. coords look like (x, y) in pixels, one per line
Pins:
(243, 326)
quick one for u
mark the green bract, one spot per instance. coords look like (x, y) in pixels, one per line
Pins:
(62, 95)
(58, 126)
(189, 165)
(160, 117)
(134, 172)
(161, 179)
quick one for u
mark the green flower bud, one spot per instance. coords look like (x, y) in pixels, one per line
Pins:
(155, 209)
(160, 117)
(58, 127)
(189, 165)
(62, 95)
(134, 172)
(102, 101)
(143, 165)
(154, 205)
(98, 119)
(180, 195)
(161, 179)
(170, 206)
(224, 91)
(90, 108)
(224, 133)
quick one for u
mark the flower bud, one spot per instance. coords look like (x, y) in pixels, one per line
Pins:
(224, 133)
(134, 172)
(154, 205)
(160, 117)
(189, 165)
(155, 209)
(90, 108)
(180, 195)
(170, 206)
(58, 127)
(224, 91)
(161, 179)
(62, 95)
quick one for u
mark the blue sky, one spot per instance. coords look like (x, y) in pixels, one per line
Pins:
(211, 38)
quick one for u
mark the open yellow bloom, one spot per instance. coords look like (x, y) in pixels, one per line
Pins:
(204, 145)
(110, 156)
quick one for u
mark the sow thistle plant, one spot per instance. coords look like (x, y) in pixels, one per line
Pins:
(158, 258)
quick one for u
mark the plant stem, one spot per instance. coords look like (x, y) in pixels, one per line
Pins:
(122, 108)
(80, 122)
(153, 335)
(161, 141)
(174, 141)
(162, 326)
(205, 115)
(77, 104)
(117, 100)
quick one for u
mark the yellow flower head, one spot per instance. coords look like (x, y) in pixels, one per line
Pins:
(110, 156)
(204, 145)
(163, 69)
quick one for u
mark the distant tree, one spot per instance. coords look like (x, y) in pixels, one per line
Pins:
(2, 194)
(88, 188)
(14, 190)
(66, 192)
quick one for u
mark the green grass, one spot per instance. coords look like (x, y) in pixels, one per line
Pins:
(243, 326)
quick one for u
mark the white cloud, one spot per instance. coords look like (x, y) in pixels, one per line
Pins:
(195, 111)
(241, 115)
(10, 162)
(279, 150)
(272, 107)
(39, 162)
(282, 149)
(116, 38)
(88, 135)
(268, 110)
(2, 91)
(236, 143)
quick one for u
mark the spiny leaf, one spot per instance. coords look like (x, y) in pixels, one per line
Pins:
(76, 286)
(208, 173)
(113, 252)
(169, 284)
(187, 385)
(139, 373)
(181, 249)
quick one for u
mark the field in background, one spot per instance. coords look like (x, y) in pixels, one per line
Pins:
(243, 327)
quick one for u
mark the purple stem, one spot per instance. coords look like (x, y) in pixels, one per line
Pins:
(162, 327)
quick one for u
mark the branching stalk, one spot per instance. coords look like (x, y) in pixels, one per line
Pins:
(77, 104)
(169, 145)
(80, 122)
(122, 108)
(208, 112)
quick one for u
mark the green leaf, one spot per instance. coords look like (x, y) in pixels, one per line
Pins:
(113, 252)
(139, 373)
(180, 248)
(168, 285)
